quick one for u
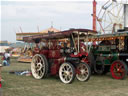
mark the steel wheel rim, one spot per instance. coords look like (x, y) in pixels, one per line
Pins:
(117, 70)
(38, 67)
(66, 73)
(83, 72)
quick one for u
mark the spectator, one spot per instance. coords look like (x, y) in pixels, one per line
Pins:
(6, 58)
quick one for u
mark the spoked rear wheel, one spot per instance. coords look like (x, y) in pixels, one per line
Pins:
(119, 70)
(67, 73)
(39, 66)
(83, 72)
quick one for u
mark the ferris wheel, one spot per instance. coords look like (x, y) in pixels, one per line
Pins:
(110, 17)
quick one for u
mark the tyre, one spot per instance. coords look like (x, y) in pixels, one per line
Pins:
(119, 70)
(39, 66)
(67, 73)
(83, 72)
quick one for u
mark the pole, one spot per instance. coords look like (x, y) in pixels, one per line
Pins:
(94, 15)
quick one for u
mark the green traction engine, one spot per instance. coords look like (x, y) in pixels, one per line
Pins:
(110, 54)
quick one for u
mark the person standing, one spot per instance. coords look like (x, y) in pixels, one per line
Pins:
(6, 61)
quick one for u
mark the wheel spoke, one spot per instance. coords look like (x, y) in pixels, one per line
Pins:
(63, 70)
(40, 61)
(120, 67)
(69, 77)
(117, 66)
(40, 72)
(69, 69)
(121, 70)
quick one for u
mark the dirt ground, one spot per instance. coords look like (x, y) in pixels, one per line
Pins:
(14, 85)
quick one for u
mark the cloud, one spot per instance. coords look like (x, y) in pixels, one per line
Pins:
(40, 9)
(28, 15)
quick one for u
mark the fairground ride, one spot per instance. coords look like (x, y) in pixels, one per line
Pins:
(110, 18)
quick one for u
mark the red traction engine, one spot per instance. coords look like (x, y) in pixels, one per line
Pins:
(62, 54)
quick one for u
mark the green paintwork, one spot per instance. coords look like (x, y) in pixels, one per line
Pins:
(107, 62)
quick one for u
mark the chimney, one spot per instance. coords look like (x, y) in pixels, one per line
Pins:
(126, 17)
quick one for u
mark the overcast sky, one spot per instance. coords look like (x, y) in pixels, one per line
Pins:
(29, 15)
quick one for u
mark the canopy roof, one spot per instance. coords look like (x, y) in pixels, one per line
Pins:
(59, 35)
(19, 36)
(119, 35)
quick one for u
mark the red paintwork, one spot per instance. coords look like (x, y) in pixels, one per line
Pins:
(44, 52)
(77, 71)
(85, 60)
(56, 65)
(54, 54)
(79, 54)
(82, 47)
(0, 84)
(54, 51)
(53, 45)
(121, 70)
(36, 50)
(82, 51)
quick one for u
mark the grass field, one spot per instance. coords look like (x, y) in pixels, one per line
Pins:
(14, 85)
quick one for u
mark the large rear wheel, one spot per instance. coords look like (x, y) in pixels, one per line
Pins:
(39, 66)
(67, 73)
(83, 72)
(119, 70)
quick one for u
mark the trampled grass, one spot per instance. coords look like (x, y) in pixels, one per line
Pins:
(14, 85)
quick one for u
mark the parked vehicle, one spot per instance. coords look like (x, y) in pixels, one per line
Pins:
(110, 54)
(62, 53)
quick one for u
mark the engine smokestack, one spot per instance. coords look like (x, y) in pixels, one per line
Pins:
(126, 17)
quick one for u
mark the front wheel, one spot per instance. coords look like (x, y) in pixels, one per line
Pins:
(119, 70)
(67, 73)
(83, 72)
